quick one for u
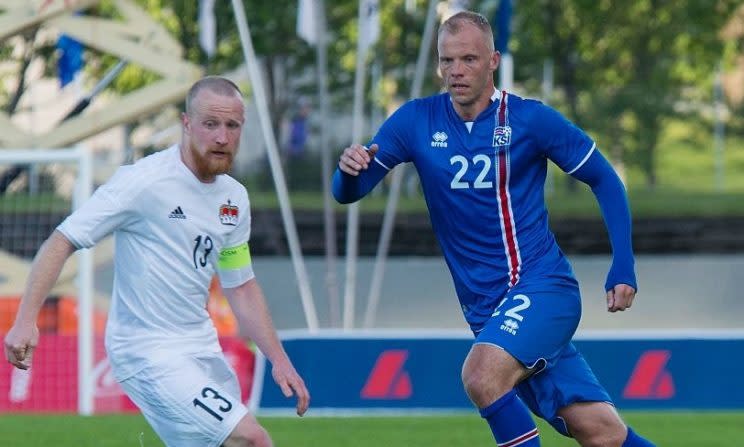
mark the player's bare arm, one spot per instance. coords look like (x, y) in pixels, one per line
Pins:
(620, 297)
(356, 158)
(23, 337)
(254, 321)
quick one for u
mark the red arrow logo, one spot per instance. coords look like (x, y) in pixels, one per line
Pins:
(388, 379)
(650, 379)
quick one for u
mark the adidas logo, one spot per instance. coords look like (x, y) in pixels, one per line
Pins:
(177, 214)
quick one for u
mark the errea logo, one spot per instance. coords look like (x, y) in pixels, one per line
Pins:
(510, 326)
(439, 139)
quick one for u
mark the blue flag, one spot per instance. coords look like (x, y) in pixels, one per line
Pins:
(503, 21)
(70, 59)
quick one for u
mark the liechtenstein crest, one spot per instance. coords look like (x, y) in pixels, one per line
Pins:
(228, 214)
(501, 136)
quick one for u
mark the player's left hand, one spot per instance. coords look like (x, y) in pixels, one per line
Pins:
(620, 298)
(291, 384)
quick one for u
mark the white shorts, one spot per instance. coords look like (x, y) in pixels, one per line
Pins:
(189, 401)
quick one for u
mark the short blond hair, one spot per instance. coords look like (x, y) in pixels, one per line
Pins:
(454, 25)
(216, 84)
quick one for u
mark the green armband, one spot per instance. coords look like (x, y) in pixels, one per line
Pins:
(234, 257)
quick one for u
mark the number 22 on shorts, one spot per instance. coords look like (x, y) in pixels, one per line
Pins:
(513, 311)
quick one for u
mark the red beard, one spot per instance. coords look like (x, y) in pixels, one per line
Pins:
(209, 165)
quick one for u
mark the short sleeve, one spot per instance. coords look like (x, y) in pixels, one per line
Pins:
(561, 141)
(111, 207)
(394, 136)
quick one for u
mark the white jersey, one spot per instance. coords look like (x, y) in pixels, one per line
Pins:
(172, 232)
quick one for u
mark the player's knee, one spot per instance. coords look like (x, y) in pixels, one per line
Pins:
(488, 373)
(598, 432)
(483, 388)
(472, 381)
(248, 433)
(602, 439)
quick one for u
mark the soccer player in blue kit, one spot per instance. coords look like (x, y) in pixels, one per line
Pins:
(481, 155)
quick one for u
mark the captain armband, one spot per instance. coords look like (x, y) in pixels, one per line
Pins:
(234, 257)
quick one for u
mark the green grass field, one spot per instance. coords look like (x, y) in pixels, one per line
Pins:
(673, 429)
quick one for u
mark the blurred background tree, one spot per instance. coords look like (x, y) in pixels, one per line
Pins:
(637, 75)
(624, 70)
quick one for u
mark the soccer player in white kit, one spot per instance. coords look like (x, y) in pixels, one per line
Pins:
(177, 218)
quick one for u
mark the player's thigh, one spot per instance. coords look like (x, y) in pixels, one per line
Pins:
(534, 326)
(189, 401)
(552, 393)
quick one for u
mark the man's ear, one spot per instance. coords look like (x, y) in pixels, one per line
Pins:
(495, 60)
(185, 122)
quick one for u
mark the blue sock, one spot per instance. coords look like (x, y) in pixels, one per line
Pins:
(633, 440)
(511, 422)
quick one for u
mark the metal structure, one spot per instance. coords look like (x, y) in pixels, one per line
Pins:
(135, 38)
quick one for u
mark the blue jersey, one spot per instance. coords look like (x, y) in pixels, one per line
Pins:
(484, 189)
(483, 186)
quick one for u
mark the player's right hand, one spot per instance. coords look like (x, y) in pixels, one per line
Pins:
(291, 384)
(20, 343)
(356, 158)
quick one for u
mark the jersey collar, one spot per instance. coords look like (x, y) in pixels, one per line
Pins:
(496, 94)
(494, 98)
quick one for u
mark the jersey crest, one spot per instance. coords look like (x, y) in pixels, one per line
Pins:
(228, 214)
(502, 136)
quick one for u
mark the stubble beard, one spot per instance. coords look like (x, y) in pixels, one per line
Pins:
(463, 102)
(463, 99)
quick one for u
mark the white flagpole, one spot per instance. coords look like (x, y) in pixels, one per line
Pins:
(329, 218)
(311, 26)
(383, 244)
(251, 63)
(365, 40)
(506, 72)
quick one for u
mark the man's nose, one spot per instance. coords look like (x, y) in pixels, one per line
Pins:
(457, 68)
(221, 135)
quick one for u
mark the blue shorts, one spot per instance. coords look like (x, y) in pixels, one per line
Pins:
(535, 325)
(567, 381)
